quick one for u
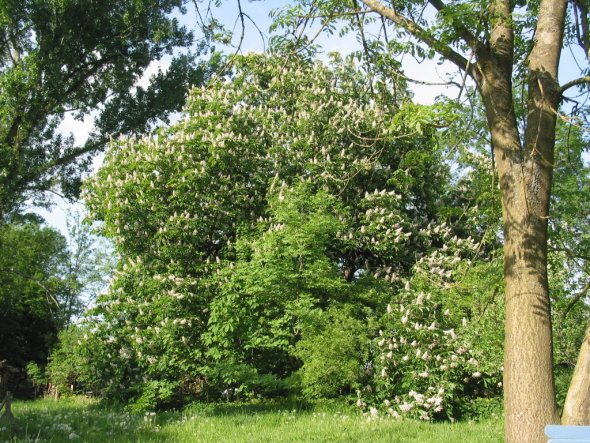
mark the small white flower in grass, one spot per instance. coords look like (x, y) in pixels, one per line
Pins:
(423, 374)
(393, 413)
(476, 374)
(387, 403)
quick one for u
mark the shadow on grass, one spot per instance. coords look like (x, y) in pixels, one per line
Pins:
(270, 406)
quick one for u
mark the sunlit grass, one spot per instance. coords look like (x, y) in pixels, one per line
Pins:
(86, 420)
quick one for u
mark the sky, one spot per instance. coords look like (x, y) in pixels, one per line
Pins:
(258, 11)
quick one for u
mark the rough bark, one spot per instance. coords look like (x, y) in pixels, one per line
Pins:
(576, 410)
(525, 175)
(528, 361)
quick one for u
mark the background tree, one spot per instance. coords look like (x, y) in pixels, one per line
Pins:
(289, 187)
(44, 286)
(82, 58)
(568, 259)
(33, 291)
(499, 45)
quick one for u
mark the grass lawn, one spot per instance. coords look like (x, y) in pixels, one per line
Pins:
(86, 420)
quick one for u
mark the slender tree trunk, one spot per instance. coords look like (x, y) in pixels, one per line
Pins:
(576, 410)
(528, 360)
(525, 170)
(525, 174)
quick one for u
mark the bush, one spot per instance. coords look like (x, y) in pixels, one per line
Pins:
(333, 354)
(72, 367)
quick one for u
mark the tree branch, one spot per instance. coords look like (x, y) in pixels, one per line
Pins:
(584, 36)
(572, 83)
(576, 298)
(418, 32)
(466, 34)
(89, 147)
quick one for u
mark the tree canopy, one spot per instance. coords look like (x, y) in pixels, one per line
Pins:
(81, 58)
(291, 197)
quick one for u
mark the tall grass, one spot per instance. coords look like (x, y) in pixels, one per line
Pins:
(86, 420)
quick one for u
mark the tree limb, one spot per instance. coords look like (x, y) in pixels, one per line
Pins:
(584, 36)
(576, 298)
(418, 32)
(575, 82)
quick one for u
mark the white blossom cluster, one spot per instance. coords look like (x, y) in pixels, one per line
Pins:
(421, 363)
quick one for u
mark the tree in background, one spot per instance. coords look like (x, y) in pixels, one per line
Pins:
(84, 58)
(302, 192)
(45, 279)
(31, 291)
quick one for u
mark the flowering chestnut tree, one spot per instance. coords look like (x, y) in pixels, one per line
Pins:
(210, 216)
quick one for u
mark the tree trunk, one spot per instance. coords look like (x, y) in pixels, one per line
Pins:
(529, 394)
(525, 170)
(576, 410)
(525, 174)
(528, 359)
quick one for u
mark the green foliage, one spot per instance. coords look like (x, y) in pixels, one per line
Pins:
(36, 375)
(71, 56)
(42, 287)
(569, 245)
(288, 190)
(334, 348)
(70, 368)
(32, 286)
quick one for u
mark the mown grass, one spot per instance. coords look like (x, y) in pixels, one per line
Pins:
(86, 420)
